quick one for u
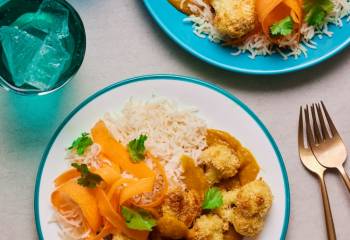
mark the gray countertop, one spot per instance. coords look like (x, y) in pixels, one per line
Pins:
(123, 41)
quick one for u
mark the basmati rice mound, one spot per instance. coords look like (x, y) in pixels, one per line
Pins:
(172, 130)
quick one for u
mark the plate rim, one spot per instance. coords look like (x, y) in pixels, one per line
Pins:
(227, 67)
(168, 77)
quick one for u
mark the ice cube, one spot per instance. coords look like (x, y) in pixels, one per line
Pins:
(19, 48)
(30, 23)
(31, 60)
(58, 15)
(51, 17)
(48, 64)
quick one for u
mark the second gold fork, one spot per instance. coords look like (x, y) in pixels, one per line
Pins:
(310, 163)
(327, 146)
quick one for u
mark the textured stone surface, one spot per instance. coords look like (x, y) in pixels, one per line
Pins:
(123, 41)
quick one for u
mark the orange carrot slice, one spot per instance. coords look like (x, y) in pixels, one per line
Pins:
(117, 184)
(161, 195)
(272, 11)
(107, 173)
(115, 219)
(117, 153)
(66, 176)
(143, 185)
(106, 230)
(83, 197)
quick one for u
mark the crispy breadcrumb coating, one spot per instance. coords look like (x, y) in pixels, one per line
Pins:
(226, 210)
(254, 198)
(207, 227)
(221, 162)
(246, 207)
(185, 205)
(247, 226)
(234, 18)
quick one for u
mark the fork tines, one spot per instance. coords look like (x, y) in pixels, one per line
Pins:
(318, 119)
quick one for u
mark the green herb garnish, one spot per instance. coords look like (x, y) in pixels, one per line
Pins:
(212, 199)
(282, 28)
(316, 11)
(87, 179)
(81, 143)
(137, 149)
(138, 220)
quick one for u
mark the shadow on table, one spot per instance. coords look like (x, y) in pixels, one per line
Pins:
(241, 81)
(29, 121)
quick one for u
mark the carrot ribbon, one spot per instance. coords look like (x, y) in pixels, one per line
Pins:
(117, 153)
(100, 207)
(273, 11)
(115, 219)
(83, 197)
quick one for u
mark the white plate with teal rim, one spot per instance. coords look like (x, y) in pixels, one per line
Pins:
(220, 109)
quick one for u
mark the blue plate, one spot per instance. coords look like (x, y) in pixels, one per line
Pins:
(171, 21)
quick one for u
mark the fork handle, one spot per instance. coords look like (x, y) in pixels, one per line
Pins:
(327, 211)
(345, 177)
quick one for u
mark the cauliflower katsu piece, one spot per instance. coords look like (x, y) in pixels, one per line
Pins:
(246, 207)
(207, 227)
(246, 226)
(221, 162)
(254, 198)
(185, 205)
(168, 226)
(226, 210)
(180, 209)
(234, 18)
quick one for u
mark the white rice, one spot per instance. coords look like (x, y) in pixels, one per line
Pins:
(258, 44)
(172, 130)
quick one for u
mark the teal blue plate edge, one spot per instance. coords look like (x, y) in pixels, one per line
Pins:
(171, 78)
(153, 10)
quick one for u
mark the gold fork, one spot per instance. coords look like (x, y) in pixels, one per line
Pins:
(310, 163)
(327, 146)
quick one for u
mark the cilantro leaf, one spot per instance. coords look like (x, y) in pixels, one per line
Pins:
(81, 143)
(87, 179)
(137, 149)
(282, 28)
(212, 199)
(316, 11)
(138, 220)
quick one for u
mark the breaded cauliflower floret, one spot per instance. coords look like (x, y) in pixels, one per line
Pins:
(168, 226)
(221, 162)
(247, 226)
(226, 210)
(234, 18)
(207, 227)
(246, 207)
(183, 204)
(254, 198)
